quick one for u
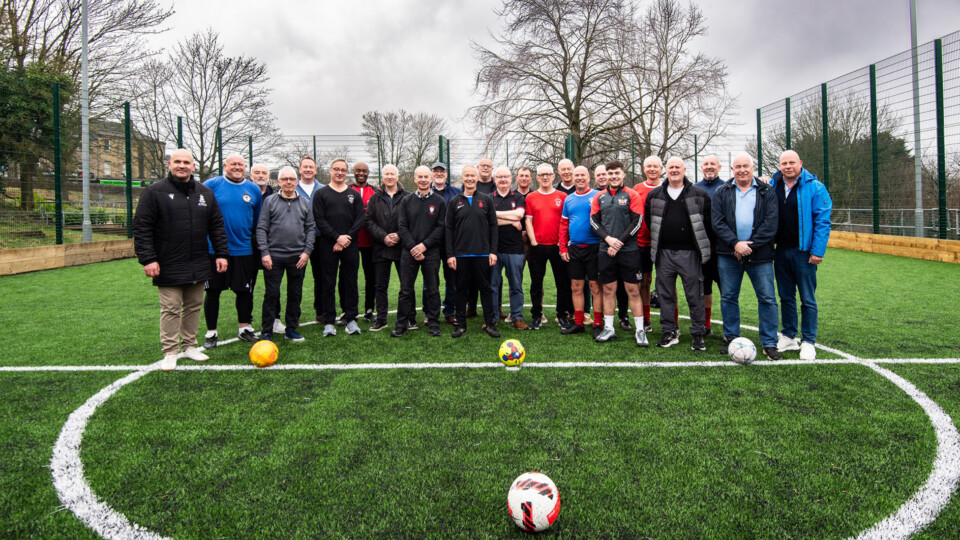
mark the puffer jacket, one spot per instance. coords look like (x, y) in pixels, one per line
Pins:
(381, 220)
(765, 221)
(814, 206)
(698, 208)
(171, 228)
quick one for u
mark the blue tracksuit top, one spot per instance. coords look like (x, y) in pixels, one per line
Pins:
(240, 205)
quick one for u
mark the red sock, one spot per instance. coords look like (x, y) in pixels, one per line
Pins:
(646, 314)
(708, 310)
(578, 317)
(676, 314)
(598, 318)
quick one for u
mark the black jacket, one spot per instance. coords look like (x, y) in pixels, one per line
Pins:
(171, 228)
(697, 203)
(471, 228)
(422, 220)
(381, 220)
(765, 221)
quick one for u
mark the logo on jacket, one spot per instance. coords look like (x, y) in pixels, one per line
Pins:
(622, 201)
(432, 209)
(247, 197)
(350, 198)
(202, 201)
(513, 204)
(171, 196)
(480, 204)
(558, 202)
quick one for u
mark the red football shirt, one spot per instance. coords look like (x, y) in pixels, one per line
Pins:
(643, 236)
(546, 209)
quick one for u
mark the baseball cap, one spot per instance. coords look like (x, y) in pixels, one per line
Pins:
(438, 164)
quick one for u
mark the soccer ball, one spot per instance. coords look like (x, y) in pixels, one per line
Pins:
(263, 353)
(512, 353)
(742, 350)
(533, 502)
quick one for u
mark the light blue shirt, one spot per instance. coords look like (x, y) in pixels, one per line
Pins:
(746, 207)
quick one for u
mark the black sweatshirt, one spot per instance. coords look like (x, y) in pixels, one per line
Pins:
(421, 220)
(471, 228)
(337, 213)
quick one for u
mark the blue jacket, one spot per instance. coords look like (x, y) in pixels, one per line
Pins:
(814, 205)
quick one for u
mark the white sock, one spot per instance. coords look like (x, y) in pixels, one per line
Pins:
(608, 321)
(638, 322)
(210, 333)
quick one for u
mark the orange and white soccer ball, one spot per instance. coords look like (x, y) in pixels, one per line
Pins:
(533, 502)
(263, 353)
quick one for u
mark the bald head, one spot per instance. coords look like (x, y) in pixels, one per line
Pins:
(565, 169)
(235, 167)
(181, 165)
(743, 169)
(710, 167)
(790, 166)
(676, 169)
(581, 179)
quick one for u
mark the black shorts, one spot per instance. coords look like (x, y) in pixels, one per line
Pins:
(710, 274)
(646, 265)
(624, 266)
(583, 262)
(241, 274)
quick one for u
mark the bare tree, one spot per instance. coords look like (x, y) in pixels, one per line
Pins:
(214, 91)
(424, 131)
(49, 32)
(389, 130)
(597, 70)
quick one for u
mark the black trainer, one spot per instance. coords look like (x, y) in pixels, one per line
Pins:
(597, 330)
(772, 353)
(434, 330)
(398, 331)
(668, 339)
(697, 344)
(725, 349)
(377, 326)
(564, 322)
(246, 334)
(625, 324)
(491, 330)
(369, 316)
(210, 342)
(458, 332)
(535, 323)
(572, 329)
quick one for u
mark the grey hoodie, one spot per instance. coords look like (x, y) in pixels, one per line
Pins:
(286, 227)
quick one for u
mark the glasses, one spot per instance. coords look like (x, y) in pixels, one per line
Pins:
(294, 179)
(544, 174)
(338, 170)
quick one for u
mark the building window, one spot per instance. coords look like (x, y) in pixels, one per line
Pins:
(106, 168)
(106, 145)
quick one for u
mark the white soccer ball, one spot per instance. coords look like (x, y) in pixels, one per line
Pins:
(533, 502)
(742, 350)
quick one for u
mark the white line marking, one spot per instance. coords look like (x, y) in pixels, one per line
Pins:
(439, 365)
(67, 470)
(936, 492)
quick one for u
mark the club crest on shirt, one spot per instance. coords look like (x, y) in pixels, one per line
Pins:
(350, 198)
(622, 202)
(513, 204)
(171, 196)
(432, 209)
(480, 204)
(558, 202)
(201, 201)
(247, 198)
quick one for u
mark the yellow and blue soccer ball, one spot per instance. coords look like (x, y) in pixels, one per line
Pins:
(512, 353)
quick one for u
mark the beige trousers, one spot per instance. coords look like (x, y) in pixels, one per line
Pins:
(179, 316)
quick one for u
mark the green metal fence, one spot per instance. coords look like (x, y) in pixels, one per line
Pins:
(885, 139)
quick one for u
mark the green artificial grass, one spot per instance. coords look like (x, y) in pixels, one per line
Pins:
(732, 451)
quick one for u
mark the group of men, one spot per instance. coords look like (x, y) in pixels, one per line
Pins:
(603, 243)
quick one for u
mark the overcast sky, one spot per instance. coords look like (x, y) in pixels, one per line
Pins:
(329, 62)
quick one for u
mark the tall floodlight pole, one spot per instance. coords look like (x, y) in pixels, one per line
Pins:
(85, 129)
(917, 154)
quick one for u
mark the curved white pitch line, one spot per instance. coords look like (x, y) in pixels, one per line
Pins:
(911, 517)
(67, 470)
(937, 491)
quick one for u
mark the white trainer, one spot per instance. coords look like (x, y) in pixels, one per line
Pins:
(278, 327)
(194, 354)
(785, 343)
(169, 362)
(808, 351)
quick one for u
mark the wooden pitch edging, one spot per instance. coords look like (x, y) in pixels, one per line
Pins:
(929, 249)
(18, 261)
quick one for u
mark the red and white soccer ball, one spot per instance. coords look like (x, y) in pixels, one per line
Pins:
(533, 502)
(742, 350)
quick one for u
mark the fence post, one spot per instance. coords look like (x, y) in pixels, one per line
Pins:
(57, 168)
(449, 161)
(826, 136)
(787, 109)
(315, 150)
(941, 145)
(128, 168)
(179, 132)
(250, 147)
(439, 148)
(696, 160)
(759, 146)
(874, 152)
(219, 151)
